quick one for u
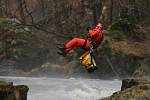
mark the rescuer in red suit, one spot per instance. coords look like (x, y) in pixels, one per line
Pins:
(95, 37)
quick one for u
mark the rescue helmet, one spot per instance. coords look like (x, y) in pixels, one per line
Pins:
(99, 26)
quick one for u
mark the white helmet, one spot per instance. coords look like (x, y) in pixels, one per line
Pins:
(99, 26)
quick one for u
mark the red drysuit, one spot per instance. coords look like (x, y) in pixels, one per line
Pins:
(95, 36)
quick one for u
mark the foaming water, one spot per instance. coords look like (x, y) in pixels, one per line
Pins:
(66, 89)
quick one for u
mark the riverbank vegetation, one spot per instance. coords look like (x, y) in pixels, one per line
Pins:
(31, 30)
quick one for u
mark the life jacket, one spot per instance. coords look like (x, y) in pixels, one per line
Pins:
(96, 36)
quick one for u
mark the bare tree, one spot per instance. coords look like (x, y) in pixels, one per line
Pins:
(21, 11)
(111, 11)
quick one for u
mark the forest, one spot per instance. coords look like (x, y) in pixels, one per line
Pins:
(30, 31)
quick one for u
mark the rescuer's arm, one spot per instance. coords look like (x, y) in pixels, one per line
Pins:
(92, 34)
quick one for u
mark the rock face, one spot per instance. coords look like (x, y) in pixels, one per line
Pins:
(132, 89)
(10, 92)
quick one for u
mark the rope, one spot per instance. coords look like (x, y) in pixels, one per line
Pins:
(111, 65)
(91, 56)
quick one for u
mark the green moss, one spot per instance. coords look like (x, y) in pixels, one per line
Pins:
(4, 23)
(10, 92)
(107, 48)
(4, 85)
(118, 35)
(132, 89)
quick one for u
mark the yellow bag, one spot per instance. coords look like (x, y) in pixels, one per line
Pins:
(87, 60)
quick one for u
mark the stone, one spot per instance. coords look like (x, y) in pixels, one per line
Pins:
(8, 91)
(132, 89)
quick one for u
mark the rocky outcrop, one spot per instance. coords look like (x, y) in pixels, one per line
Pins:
(8, 91)
(132, 89)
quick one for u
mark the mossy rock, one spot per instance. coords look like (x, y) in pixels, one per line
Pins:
(22, 90)
(128, 83)
(132, 89)
(5, 85)
(10, 92)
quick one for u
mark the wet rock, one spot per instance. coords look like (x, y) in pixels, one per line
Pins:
(132, 89)
(8, 91)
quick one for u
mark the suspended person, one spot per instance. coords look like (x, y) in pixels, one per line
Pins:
(94, 38)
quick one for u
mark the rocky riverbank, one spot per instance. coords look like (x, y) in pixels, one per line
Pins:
(132, 89)
(8, 91)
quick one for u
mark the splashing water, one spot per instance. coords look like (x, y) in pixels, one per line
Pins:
(66, 89)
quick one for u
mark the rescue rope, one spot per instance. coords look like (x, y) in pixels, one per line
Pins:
(111, 65)
(91, 56)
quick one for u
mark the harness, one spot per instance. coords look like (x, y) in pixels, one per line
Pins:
(91, 55)
(84, 45)
(91, 50)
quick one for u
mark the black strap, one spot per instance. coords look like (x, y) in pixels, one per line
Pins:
(84, 45)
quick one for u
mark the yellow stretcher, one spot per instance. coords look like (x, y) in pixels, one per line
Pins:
(87, 60)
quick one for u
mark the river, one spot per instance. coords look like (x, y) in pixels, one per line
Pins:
(44, 88)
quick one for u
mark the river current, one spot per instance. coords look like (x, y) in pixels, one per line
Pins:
(44, 88)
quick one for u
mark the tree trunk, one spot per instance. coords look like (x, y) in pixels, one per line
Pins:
(111, 12)
(82, 8)
(1, 11)
(21, 11)
(147, 5)
(94, 15)
(41, 2)
(97, 9)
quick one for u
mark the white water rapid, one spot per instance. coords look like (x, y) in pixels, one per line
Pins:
(44, 88)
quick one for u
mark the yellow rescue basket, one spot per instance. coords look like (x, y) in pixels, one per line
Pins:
(87, 60)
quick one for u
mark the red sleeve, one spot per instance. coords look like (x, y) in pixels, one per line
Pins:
(94, 33)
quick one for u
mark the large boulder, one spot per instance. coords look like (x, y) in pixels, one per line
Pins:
(132, 89)
(8, 91)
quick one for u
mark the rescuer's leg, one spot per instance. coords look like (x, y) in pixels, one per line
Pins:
(76, 42)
